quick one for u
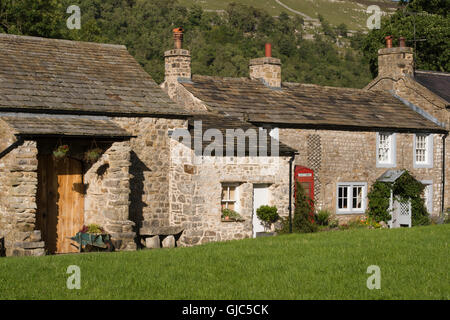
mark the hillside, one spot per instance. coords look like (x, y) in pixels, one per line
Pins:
(351, 12)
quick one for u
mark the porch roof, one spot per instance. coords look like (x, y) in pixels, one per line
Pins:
(26, 124)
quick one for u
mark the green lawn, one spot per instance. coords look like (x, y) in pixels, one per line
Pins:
(327, 265)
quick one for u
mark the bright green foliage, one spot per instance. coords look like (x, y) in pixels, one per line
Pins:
(404, 188)
(379, 196)
(233, 215)
(267, 214)
(432, 54)
(303, 221)
(323, 217)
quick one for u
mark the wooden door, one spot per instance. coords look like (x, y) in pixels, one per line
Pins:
(60, 202)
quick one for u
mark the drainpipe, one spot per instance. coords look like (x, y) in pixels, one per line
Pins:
(291, 160)
(11, 147)
(443, 174)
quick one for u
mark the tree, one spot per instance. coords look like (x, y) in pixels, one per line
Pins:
(432, 54)
(303, 221)
(32, 17)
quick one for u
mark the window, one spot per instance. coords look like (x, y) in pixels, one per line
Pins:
(229, 197)
(423, 151)
(351, 197)
(386, 149)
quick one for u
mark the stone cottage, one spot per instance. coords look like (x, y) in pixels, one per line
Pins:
(346, 138)
(145, 183)
(427, 92)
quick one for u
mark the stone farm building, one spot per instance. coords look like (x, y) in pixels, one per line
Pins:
(150, 184)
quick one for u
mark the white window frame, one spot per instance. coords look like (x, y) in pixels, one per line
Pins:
(429, 197)
(236, 195)
(428, 163)
(350, 186)
(392, 162)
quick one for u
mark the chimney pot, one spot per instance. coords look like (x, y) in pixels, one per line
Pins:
(178, 37)
(268, 50)
(402, 42)
(388, 41)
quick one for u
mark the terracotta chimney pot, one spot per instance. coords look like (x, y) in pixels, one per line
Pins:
(388, 41)
(402, 42)
(268, 50)
(178, 37)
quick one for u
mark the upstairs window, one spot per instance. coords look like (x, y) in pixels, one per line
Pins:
(386, 149)
(351, 198)
(423, 150)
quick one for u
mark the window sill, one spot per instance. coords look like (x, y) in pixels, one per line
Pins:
(423, 165)
(233, 220)
(386, 165)
(350, 212)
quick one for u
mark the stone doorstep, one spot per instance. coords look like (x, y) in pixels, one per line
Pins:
(29, 245)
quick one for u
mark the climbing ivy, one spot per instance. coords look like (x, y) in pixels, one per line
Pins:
(404, 188)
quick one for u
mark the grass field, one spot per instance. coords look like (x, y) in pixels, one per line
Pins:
(350, 12)
(326, 265)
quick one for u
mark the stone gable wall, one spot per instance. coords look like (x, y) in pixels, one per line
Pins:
(196, 187)
(18, 186)
(150, 169)
(345, 156)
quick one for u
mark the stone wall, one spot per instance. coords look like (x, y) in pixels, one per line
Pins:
(343, 156)
(149, 169)
(107, 184)
(18, 186)
(408, 89)
(196, 186)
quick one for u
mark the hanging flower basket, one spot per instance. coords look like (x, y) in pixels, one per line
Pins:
(61, 152)
(93, 155)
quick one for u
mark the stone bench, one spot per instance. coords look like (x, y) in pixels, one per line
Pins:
(157, 237)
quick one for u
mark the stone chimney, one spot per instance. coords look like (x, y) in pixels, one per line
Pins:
(177, 60)
(395, 62)
(267, 69)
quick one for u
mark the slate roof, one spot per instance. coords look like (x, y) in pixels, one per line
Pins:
(60, 76)
(436, 82)
(62, 125)
(222, 124)
(306, 105)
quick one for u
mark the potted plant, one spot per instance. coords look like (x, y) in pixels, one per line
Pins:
(231, 215)
(61, 152)
(268, 215)
(92, 155)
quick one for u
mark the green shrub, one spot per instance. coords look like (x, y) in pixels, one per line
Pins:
(267, 215)
(233, 215)
(303, 221)
(323, 217)
(405, 187)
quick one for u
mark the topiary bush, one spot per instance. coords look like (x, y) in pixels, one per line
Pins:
(267, 215)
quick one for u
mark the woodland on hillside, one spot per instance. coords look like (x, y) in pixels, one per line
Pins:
(223, 43)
